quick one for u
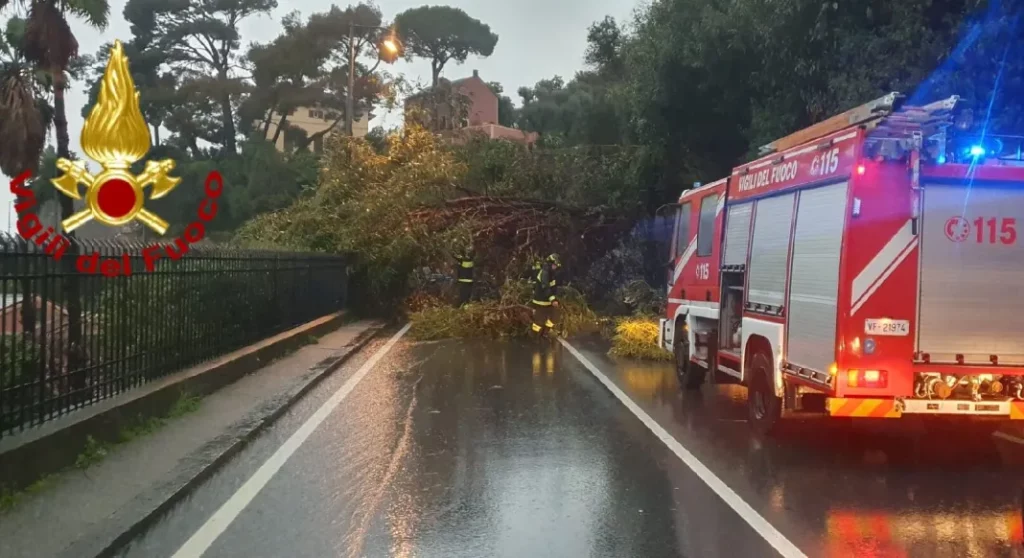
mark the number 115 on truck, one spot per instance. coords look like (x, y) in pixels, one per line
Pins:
(867, 266)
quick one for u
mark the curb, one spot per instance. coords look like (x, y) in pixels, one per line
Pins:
(146, 508)
(54, 446)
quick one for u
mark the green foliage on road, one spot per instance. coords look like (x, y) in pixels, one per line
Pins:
(509, 315)
(637, 337)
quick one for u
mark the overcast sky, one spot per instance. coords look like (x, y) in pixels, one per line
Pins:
(537, 39)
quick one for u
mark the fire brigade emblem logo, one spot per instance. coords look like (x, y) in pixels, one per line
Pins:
(958, 229)
(115, 135)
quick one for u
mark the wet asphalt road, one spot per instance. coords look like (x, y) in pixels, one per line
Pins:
(510, 449)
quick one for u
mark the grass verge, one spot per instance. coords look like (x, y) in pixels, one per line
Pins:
(638, 338)
(96, 451)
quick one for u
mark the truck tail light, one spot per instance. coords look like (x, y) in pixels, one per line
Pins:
(867, 378)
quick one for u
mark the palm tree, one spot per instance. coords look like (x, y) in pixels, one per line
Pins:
(24, 112)
(50, 46)
(36, 55)
(24, 118)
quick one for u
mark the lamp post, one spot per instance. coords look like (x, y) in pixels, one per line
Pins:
(390, 44)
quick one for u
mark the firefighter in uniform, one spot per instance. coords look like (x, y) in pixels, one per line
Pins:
(545, 299)
(531, 273)
(464, 275)
(555, 266)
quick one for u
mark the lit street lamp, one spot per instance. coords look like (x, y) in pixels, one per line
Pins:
(391, 44)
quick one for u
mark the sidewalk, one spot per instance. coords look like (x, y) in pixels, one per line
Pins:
(84, 511)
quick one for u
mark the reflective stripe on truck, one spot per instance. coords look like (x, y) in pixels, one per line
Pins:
(867, 408)
(891, 408)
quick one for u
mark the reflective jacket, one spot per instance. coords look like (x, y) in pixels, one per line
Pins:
(464, 272)
(543, 286)
(531, 273)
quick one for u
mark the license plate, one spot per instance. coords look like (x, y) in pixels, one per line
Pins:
(899, 328)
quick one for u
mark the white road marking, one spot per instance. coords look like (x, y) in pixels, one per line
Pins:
(770, 534)
(201, 541)
(1008, 437)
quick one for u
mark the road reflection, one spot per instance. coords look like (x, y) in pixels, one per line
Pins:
(842, 489)
(853, 532)
(510, 456)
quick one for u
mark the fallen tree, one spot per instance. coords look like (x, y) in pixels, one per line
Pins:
(410, 206)
(507, 315)
(508, 232)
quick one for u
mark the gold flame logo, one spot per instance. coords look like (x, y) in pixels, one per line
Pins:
(115, 135)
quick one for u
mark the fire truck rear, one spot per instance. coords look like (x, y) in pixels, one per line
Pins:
(871, 265)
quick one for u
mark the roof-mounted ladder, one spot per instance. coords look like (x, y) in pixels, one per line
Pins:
(868, 112)
(893, 135)
(931, 120)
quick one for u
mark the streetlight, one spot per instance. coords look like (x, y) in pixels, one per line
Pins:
(390, 44)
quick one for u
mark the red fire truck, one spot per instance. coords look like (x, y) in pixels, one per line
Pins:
(866, 266)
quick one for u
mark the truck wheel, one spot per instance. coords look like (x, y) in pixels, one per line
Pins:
(690, 376)
(765, 408)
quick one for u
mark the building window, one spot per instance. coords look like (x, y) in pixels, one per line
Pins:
(318, 145)
(706, 227)
(316, 114)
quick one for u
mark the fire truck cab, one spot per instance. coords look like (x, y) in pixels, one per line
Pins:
(871, 265)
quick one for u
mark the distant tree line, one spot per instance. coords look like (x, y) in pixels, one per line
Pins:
(211, 101)
(700, 85)
(680, 93)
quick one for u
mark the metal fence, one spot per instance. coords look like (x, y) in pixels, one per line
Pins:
(70, 338)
